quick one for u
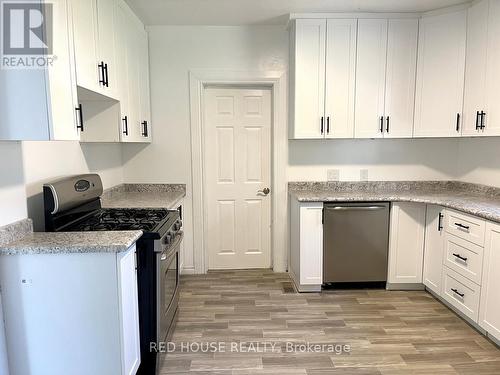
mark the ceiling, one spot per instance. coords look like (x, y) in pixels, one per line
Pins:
(264, 12)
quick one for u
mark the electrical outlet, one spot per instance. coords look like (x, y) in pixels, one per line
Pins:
(363, 174)
(332, 174)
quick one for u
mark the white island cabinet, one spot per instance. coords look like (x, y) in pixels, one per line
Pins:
(71, 313)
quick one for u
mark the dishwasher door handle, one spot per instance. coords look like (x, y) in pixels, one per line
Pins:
(355, 208)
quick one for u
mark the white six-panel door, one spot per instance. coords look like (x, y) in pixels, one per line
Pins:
(237, 157)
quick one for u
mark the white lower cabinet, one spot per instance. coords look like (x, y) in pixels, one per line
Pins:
(80, 310)
(461, 293)
(489, 312)
(406, 245)
(434, 247)
(306, 245)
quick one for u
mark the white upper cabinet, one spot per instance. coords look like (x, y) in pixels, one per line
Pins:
(144, 94)
(85, 38)
(400, 77)
(370, 78)
(482, 78)
(475, 69)
(93, 26)
(133, 76)
(39, 104)
(385, 78)
(307, 79)
(341, 39)
(106, 44)
(440, 75)
(491, 117)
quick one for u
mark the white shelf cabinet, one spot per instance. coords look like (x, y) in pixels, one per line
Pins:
(434, 247)
(406, 245)
(306, 245)
(93, 27)
(482, 79)
(341, 39)
(440, 75)
(307, 78)
(40, 104)
(489, 311)
(385, 78)
(370, 78)
(400, 77)
(133, 77)
(90, 299)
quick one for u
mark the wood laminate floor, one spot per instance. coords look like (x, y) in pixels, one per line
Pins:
(386, 332)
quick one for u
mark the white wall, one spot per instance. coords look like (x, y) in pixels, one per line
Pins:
(174, 50)
(478, 160)
(385, 159)
(44, 161)
(12, 191)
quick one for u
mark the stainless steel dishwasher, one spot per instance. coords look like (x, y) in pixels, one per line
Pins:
(355, 243)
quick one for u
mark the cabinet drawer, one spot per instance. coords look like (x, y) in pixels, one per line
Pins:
(462, 293)
(464, 257)
(465, 226)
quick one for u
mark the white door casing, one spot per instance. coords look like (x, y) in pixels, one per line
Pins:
(237, 160)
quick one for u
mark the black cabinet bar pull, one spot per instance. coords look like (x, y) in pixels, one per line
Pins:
(125, 123)
(328, 125)
(102, 75)
(381, 124)
(483, 115)
(466, 227)
(440, 222)
(458, 122)
(106, 78)
(145, 128)
(322, 125)
(477, 120)
(387, 124)
(460, 257)
(457, 292)
(80, 117)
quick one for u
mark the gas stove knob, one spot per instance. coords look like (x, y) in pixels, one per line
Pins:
(168, 238)
(177, 225)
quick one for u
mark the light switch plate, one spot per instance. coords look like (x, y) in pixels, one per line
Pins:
(363, 174)
(332, 174)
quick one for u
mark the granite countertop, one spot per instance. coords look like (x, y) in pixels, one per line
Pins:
(144, 196)
(71, 242)
(478, 200)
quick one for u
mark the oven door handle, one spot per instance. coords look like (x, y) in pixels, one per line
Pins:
(166, 253)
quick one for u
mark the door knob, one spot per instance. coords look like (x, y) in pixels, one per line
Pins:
(264, 191)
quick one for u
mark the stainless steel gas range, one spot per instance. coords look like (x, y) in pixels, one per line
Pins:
(73, 204)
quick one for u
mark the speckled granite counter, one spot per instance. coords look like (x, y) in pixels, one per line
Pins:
(15, 231)
(71, 242)
(479, 200)
(144, 196)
